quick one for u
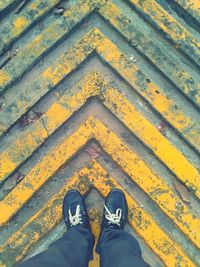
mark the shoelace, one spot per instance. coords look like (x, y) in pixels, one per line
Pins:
(76, 218)
(113, 218)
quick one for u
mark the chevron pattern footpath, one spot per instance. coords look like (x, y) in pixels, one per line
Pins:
(98, 94)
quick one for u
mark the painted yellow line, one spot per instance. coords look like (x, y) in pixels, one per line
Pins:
(190, 175)
(152, 184)
(172, 28)
(151, 49)
(40, 224)
(161, 147)
(95, 84)
(49, 37)
(94, 175)
(15, 26)
(44, 41)
(157, 189)
(41, 172)
(167, 107)
(58, 113)
(143, 223)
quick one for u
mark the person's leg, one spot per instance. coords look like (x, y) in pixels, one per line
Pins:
(75, 248)
(116, 247)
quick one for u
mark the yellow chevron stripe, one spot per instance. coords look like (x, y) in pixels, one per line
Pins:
(15, 26)
(120, 106)
(34, 41)
(181, 77)
(50, 215)
(174, 30)
(132, 164)
(167, 107)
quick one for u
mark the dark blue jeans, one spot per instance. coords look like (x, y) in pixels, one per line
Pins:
(117, 248)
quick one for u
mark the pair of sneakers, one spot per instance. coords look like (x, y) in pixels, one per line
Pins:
(114, 215)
